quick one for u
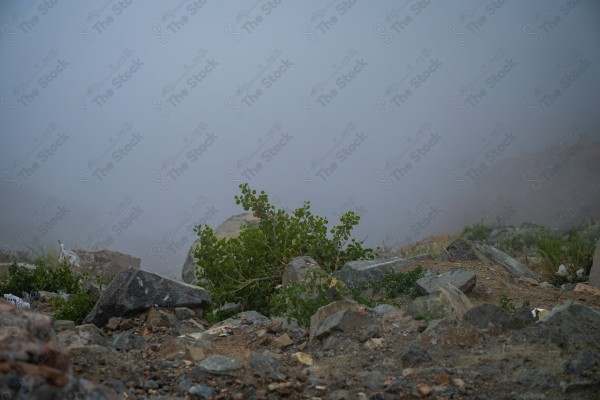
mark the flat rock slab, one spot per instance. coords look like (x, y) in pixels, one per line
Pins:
(135, 290)
(357, 273)
(461, 278)
(462, 250)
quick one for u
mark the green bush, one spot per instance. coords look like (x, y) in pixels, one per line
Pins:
(247, 269)
(42, 277)
(52, 279)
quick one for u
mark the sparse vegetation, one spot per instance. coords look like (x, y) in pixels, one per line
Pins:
(247, 269)
(477, 232)
(573, 250)
(507, 303)
(52, 278)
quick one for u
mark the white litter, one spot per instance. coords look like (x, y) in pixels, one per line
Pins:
(67, 256)
(562, 270)
(17, 301)
(580, 272)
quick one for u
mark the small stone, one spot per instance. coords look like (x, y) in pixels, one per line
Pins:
(126, 324)
(459, 383)
(302, 358)
(546, 285)
(424, 390)
(282, 341)
(275, 326)
(113, 323)
(529, 281)
(582, 287)
(184, 313)
(201, 392)
(374, 343)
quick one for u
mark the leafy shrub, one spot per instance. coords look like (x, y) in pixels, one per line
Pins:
(42, 277)
(247, 269)
(77, 308)
(507, 303)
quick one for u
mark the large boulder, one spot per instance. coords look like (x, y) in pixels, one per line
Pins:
(135, 290)
(229, 228)
(448, 301)
(462, 250)
(32, 363)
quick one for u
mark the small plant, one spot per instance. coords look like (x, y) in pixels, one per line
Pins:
(247, 269)
(398, 283)
(507, 303)
(477, 232)
(76, 308)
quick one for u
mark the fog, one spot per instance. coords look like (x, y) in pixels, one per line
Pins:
(126, 123)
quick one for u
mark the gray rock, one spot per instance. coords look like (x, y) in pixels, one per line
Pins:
(489, 315)
(414, 356)
(217, 363)
(184, 313)
(228, 229)
(64, 325)
(264, 364)
(201, 392)
(343, 321)
(384, 309)
(296, 270)
(227, 309)
(128, 341)
(161, 318)
(449, 301)
(356, 273)
(461, 250)
(595, 271)
(135, 290)
(326, 311)
(461, 278)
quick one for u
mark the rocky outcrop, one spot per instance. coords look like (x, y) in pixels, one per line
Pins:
(135, 290)
(34, 366)
(461, 250)
(228, 229)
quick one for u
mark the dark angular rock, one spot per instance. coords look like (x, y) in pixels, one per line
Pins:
(135, 290)
(488, 314)
(264, 364)
(414, 356)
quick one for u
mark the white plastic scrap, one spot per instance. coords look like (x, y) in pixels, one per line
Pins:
(17, 301)
(562, 270)
(580, 272)
(68, 256)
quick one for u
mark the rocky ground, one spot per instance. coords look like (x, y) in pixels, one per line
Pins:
(382, 353)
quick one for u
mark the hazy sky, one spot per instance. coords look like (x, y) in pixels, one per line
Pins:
(126, 123)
